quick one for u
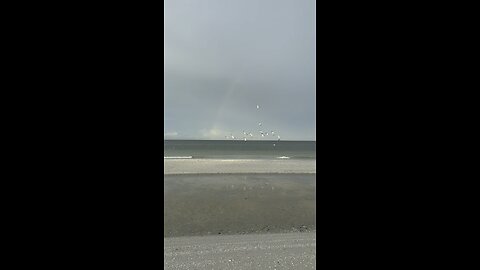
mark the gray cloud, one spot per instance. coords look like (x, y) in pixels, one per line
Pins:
(223, 57)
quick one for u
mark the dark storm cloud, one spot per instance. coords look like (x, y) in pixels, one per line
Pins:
(223, 57)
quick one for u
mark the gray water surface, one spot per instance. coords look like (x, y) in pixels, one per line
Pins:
(240, 149)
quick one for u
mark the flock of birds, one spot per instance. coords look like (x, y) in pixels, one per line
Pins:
(260, 133)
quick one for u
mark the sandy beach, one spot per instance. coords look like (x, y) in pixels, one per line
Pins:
(197, 166)
(239, 214)
(259, 251)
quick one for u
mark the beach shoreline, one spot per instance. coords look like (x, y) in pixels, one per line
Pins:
(230, 166)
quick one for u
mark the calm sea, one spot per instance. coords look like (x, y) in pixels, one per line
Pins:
(200, 149)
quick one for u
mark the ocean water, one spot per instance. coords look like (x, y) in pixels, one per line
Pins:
(223, 149)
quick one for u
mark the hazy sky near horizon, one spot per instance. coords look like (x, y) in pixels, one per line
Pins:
(222, 58)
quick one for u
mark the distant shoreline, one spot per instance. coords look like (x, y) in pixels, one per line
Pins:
(232, 166)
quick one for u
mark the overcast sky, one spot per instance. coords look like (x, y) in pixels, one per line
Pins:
(225, 57)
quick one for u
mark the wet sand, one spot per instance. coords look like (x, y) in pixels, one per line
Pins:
(198, 166)
(238, 203)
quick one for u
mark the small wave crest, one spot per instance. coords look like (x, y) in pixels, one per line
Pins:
(283, 157)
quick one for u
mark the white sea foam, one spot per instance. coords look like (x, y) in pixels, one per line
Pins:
(185, 157)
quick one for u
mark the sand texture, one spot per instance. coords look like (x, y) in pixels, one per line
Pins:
(264, 251)
(198, 166)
